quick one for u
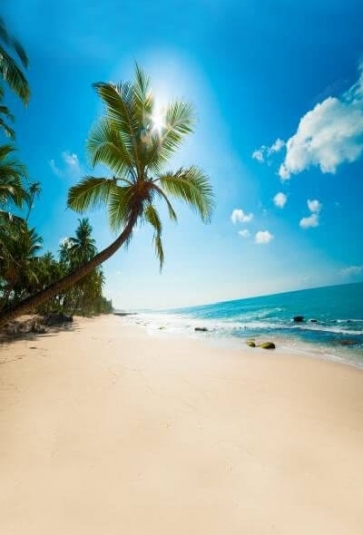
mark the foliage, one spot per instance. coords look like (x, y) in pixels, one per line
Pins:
(132, 142)
(10, 71)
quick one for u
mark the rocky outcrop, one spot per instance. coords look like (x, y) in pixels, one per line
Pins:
(201, 329)
(267, 345)
(56, 318)
(18, 328)
(298, 319)
(251, 343)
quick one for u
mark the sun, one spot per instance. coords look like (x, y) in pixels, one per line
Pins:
(158, 119)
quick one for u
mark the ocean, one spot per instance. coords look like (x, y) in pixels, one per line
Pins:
(332, 326)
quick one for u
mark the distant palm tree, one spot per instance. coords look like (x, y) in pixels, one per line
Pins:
(12, 173)
(136, 146)
(34, 190)
(18, 272)
(9, 68)
(82, 247)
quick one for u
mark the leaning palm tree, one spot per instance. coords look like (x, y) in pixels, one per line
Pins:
(10, 71)
(136, 150)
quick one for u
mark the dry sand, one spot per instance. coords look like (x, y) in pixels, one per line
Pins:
(105, 430)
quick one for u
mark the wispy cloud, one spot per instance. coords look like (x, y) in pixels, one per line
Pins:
(263, 236)
(280, 200)
(71, 167)
(263, 153)
(244, 233)
(313, 219)
(327, 136)
(352, 271)
(309, 222)
(238, 216)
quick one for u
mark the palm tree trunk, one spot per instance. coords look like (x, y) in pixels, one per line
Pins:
(44, 295)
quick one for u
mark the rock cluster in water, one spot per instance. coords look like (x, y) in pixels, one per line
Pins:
(264, 345)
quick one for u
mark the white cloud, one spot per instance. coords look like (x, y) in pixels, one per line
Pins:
(261, 154)
(71, 166)
(314, 206)
(72, 163)
(327, 136)
(263, 236)
(313, 220)
(54, 168)
(244, 233)
(352, 271)
(309, 222)
(238, 216)
(280, 200)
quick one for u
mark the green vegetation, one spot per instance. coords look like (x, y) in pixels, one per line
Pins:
(10, 71)
(23, 271)
(135, 145)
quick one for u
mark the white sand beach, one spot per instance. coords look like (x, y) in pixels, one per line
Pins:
(107, 430)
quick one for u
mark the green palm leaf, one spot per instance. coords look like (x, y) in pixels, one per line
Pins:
(120, 206)
(110, 146)
(12, 173)
(9, 132)
(122, 114)
(192, 186)
(12, 74)
(161, 194)
(152, 217)
(91, 192)
(143, 100)
(179, 121)
(9, 40)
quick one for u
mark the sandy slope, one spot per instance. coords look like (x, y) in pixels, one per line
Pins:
(104, 430)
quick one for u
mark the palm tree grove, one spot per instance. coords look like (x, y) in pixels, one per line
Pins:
(135, 148)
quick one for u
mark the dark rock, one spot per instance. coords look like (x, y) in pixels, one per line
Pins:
(38, 328)
(56, 318)
(313, 321)
(201, 329)
(346, 342)
(267, 345)
(251, 343)
(298, 319)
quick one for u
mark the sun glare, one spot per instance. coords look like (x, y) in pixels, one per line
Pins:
(158, 120)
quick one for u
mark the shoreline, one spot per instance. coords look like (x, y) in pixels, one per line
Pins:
(105, 428)
(287, 344)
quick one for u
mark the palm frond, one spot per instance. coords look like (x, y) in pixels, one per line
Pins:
(179, 121)
(152, 217)
(90, 192)
(121, 112)
(14, 76)
(120, 205)
(7, 129)
(110, 146)
(9, 40)
(143, 100)
(160, 193)
(4, 110)
(192, 186)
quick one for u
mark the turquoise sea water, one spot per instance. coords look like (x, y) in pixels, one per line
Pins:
(336, 330)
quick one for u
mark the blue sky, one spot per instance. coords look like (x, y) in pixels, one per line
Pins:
(278, 91)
